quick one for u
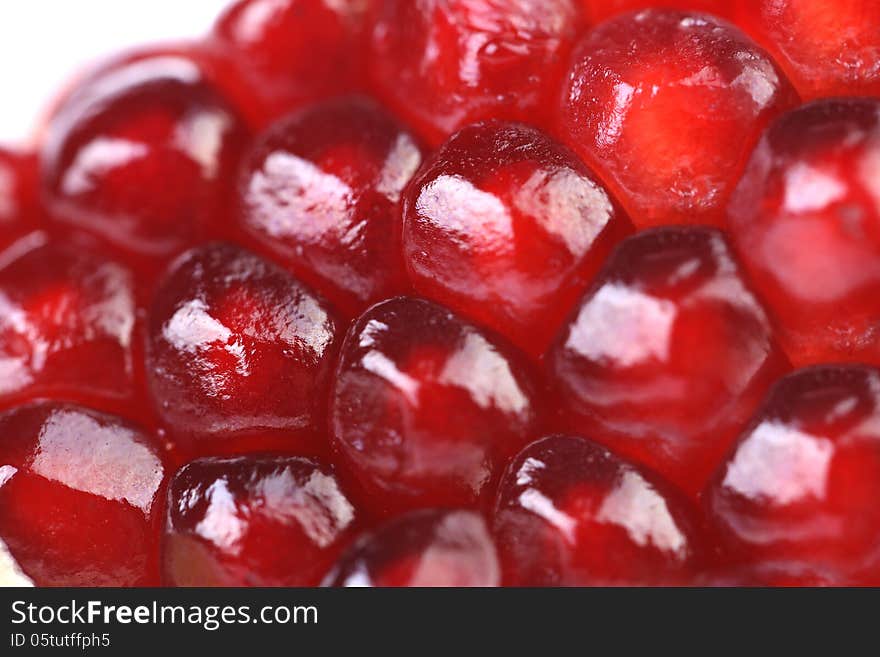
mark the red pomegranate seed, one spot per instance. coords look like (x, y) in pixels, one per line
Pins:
(294, 51)
(426, 408)
(508, 227)
(430, 547)
(254, 521)
(19, 212)
(238, 354)
(599, 10)
(569, 512)
(826, 48)
(321, 191)
(80, 497)
(67, 320)
(666, 106)
(668, 354)
(799, 491)
(806, 219)
(442, 64)
(142, 156)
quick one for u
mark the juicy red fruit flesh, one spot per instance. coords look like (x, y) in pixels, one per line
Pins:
(667, 355)
(665, 106)
(19, 213)
(238, 354)
(80, 497)
(826, 48)
(441, 64)
(254, 521)
(320, 191)
(422, 548)
(600, 10)
(426, 408)
(814, 180)
(570, 513)
(508, 227)
(799, 491)
(142, 156)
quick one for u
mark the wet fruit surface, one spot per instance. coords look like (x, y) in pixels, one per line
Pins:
(80, 497)
(799, 491)
(442, 64)
(237, 346)
(422, 548)
(142, 156)
(426, 408)
(665, 105)
(254, 521)
(668, 354)
(508, 227)
(826, 48)
(18, 210)
(321, 192)
(814, 180)
(569, 512)
(600, 10)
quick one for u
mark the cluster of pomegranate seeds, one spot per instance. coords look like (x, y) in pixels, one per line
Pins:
(452, 293)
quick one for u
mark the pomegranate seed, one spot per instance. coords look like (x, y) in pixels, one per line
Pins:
(19, 213)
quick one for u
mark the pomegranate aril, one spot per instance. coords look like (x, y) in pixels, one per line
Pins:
(80, 497)
(436, 548)
(142, 155)
(599, 10)
(238, 354)
(67, 319)
(442, 64)
(320, 191)
(806, 219)
(571, 513)
(254, 521)
(799, 492)
(826, 48)
(666, 106)
(508, 227)
(19, 212)
(426, 408)
(289, 52)
(667, 355)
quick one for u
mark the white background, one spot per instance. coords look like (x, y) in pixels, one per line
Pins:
(42, 42)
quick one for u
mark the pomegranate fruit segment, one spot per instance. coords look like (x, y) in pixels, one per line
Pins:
(667, 355)
(435, 548)
(806, 219)
(80, 497)
(19, 212)
(426, 409)
(571, 513)
(666, 106)
(237, 348)
(799, 491)
(600, 10)
(290, 52)
(254, 521)
(441, 64)
(143, 157)
(320, 191)
(826, 48)
(508, 227)
(67, 320)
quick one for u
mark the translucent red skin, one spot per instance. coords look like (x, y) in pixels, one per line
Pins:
(239, 354)
(441, 64)
(826, 48)
(667, 355)
(19, 212)
(426, 409)
(67, 326)
(815, 179)
(599, 10)
(423, 548)
(798, 493)
(261, 520)
(292, 52)
(664, 86)
(571, 513)
(508, 227)
(81, 497)
(142, 155)
(320, 192)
